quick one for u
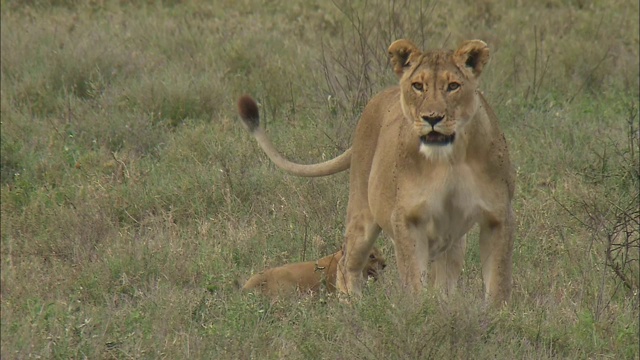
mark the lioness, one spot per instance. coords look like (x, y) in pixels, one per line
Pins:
(307, 277)
(428, 161)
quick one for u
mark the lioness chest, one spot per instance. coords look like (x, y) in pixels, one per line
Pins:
(443, 207)
(440, 201)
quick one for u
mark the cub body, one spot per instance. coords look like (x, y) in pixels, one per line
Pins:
(310, 276)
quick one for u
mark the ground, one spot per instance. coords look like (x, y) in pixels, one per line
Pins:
(133, 199)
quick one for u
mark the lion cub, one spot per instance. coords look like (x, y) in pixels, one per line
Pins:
(308, 277)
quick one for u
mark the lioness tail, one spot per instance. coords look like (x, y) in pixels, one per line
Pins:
(248, 110)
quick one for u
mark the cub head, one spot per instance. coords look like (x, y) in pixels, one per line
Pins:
(438, 90)
(375, 264)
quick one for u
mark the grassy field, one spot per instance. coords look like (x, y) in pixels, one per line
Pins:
(133, 199)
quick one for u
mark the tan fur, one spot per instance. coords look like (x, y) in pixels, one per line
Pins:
(428, 161)
(310, 276)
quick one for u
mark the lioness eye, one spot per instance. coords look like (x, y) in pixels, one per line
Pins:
(372, 257)
(453, 86)
(417, 86)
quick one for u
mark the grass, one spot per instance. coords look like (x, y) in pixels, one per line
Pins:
(132, 198)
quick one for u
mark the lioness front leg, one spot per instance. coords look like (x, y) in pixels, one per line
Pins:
(412, 254)
(496, 250)
(360, 236)
(446, 268)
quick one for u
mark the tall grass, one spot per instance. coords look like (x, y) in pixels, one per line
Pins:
(132, 200)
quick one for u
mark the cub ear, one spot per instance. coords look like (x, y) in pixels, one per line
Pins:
(402, 52)
(472, 55)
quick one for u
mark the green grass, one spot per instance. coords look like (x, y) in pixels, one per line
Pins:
(133, 199)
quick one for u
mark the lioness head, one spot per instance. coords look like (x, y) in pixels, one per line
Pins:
(438, 90)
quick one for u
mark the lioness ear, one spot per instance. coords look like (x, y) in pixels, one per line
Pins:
(472, 55)
(401, 53)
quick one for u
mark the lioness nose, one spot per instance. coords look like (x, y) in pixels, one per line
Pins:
(432, 120)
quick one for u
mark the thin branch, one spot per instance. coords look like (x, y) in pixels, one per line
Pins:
(593, 70)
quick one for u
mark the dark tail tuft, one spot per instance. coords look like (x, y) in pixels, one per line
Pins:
(248, 110)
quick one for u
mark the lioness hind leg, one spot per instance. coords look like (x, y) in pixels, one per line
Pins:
(496, 251)
(447, 267)
(361, 234)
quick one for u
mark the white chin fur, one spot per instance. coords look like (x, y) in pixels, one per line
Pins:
(436, 152)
